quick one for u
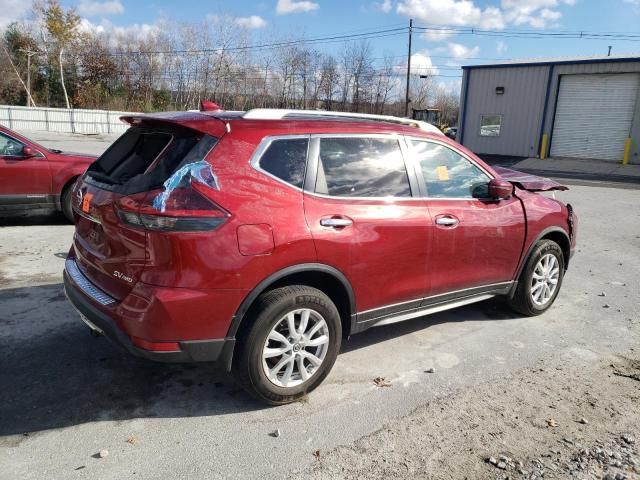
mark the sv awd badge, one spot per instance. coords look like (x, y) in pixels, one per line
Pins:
(122, 276)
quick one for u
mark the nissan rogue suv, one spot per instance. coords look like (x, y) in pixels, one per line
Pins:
(262, 239)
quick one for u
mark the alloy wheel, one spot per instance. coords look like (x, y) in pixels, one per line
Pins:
(545, 279)
(295, 348)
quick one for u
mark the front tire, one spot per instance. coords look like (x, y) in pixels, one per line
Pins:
(291, 345)
(540, 280)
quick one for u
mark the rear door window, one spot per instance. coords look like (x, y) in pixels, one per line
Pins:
(286, 159)
(361, 167)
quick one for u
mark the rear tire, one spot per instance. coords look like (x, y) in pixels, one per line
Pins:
(65, 202)
(540, 280)
(278, 364)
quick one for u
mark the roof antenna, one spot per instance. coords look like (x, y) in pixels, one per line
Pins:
(609, 53)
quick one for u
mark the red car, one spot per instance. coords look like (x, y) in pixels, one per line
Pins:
(33, 177)
(263, 239)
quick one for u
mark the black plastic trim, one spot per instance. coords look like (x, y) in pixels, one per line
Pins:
(28, 201)
(544, 232)
(273, 278)
(370, 317)
(191, 350)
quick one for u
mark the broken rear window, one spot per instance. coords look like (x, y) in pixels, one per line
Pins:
(144, 158)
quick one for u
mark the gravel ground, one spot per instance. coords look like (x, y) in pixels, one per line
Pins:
(576, 415)
(500, 383)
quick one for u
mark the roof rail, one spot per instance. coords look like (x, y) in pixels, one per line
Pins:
(282, 113)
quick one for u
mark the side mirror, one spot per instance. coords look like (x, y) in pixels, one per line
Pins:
(500, 189)
(28, 152)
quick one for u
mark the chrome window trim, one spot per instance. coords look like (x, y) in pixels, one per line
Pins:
(409, 138)
(85, 284)
(352, 199)
(265, 143)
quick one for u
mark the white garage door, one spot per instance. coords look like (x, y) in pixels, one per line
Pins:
(594, 115)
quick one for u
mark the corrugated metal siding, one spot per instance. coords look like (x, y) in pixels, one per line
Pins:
(62, 120)
(521, 108)
(594, 115)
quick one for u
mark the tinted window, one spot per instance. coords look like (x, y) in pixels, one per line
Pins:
(448, 174)
(362, 167)
(9, 146)
(286, 159)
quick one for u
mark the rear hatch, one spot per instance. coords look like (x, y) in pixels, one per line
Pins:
(114, 200)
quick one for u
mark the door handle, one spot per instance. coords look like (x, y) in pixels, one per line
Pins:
(336, 222)
(447, 221)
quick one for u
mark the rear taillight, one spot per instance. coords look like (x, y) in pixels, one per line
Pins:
(182, 210)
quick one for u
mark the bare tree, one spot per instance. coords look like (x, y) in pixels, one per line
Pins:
(62, 28)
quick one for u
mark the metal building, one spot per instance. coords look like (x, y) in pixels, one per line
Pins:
(579, 108)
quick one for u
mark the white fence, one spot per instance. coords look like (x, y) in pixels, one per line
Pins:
(62, 120)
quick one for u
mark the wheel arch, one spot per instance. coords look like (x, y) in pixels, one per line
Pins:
(323, 277)
(556, 234)
(68, 184)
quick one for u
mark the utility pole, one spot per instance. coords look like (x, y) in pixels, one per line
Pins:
(406, 99)
(609, 53)
(30, 54)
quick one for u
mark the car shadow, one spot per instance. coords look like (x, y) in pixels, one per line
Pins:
(53, 374)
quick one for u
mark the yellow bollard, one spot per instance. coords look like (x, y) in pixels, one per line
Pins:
(543, 147)
(627, 150)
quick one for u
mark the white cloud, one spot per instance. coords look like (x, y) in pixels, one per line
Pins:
(421, 64)
(91, 8)
(451, 12)
(111, 32)
(437, 35)
(295, 6)
(501, 47)
(251, 23)
(12, 10)
(462, 52)
(535, 13)
(465, 13)
(385, 6)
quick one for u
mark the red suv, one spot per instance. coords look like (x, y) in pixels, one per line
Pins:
(262, 239)
(33, 177)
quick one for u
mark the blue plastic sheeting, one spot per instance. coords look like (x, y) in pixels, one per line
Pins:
(200, 171)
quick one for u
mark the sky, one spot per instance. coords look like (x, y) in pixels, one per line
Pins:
(435, 51)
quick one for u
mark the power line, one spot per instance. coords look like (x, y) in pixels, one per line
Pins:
(532, 34)
(313, 41)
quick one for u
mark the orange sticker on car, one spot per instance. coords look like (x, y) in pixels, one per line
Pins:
(86, 202)
(443, 173)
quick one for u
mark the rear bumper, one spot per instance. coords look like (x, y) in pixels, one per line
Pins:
(216, 350)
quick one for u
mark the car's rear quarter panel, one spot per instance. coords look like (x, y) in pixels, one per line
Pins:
(213, 260)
